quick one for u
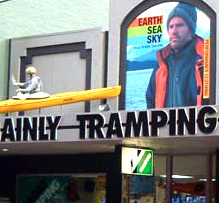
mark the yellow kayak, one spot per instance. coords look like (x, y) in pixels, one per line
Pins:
(12, 105)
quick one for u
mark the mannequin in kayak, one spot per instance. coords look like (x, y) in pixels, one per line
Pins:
(31, 89)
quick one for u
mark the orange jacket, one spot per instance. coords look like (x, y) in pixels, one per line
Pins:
(162, 74)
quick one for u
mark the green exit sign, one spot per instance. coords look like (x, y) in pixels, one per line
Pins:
(137, 161)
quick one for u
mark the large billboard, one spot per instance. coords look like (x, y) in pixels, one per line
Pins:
(169, 58)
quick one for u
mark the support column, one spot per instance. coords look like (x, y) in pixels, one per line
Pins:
(209, 162)
(117, 177)
(169, 172)
(217, 175)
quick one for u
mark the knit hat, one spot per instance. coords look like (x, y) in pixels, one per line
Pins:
(185, 11)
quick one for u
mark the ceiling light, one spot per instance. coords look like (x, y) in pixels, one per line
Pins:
(178, 176)
(5, 150)
(206, 179)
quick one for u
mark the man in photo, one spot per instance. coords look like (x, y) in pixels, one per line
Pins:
(177, 80)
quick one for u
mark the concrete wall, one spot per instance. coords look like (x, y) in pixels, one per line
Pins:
(68, 61)
(35, 17)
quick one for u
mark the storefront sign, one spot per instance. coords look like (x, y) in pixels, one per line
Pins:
(25, 128)
(137, 161)
(112, 125)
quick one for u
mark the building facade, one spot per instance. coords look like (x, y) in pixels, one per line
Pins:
(118, 149)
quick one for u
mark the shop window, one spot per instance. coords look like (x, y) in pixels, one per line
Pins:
(61, 188)
(189, 179)
(147, 189)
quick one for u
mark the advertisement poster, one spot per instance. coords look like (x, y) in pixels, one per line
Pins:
(44, 189)
(61, 188)
(188, 84)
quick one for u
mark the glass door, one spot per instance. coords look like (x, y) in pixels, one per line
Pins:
(189, 181)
